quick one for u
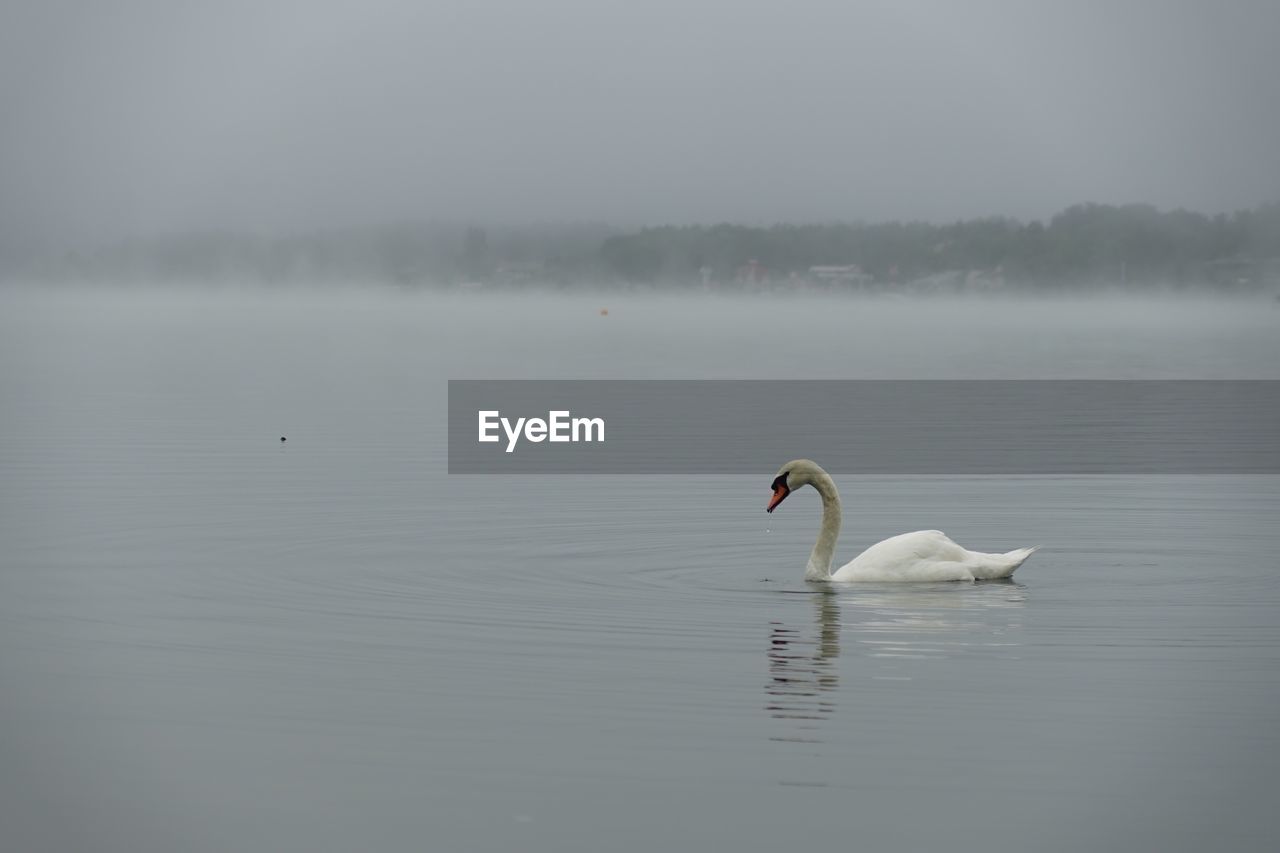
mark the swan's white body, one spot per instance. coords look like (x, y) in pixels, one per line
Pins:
(921, 557)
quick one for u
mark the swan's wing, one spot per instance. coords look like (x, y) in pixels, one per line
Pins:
(928, 555)
(920, 545)
(925, 555)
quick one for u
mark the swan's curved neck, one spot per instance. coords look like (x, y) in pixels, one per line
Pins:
(824, 549)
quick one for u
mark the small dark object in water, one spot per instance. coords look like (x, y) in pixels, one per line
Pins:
(282, 438)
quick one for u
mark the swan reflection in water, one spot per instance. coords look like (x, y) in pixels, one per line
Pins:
(801, 668)
(890, 627)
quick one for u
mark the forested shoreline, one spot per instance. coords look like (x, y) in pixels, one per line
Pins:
(1087, 245)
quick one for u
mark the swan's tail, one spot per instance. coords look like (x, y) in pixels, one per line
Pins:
(1003, 565)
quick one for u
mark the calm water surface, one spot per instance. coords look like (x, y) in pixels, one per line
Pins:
(210, 640)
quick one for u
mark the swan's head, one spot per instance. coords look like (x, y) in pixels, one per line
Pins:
(793, 475)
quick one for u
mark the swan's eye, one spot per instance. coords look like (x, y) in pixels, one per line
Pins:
(780, 481)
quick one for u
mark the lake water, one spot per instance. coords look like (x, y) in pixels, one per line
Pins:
(211, 640)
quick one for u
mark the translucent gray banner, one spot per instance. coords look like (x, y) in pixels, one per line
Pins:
(868, 427)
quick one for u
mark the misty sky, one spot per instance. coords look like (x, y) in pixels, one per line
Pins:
(121, 118)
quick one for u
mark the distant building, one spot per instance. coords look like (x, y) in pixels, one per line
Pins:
(982, 281)
(1242, 273)
(520, 272)
(848, 276)
(753, 271)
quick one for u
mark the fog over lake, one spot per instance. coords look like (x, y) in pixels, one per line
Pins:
(211, 639)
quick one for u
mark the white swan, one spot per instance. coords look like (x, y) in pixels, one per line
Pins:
(923, 556)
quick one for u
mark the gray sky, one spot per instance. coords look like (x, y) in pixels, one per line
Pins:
(135, 117)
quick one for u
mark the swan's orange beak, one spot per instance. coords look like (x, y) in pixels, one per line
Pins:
(780, 493)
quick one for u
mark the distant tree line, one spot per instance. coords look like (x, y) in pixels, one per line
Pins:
(1082, 245)
(411, 254)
